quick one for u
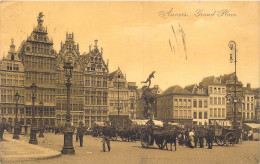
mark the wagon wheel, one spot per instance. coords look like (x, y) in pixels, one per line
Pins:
(229, 138)
(145, 141)
(220, 141)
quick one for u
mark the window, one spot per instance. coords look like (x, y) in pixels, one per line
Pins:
(211, 101)
(205, 115)
(247, 105)
(180, 102)
(252, 106)
(223, 112)
(195, 103)
(176, 113)
(12, 56)
(215, 90)
(219, 112)
(9, 67)
(200, 103)
(252, 98)
(185, 102)
(200, 115)
(189, 113)
(219, 100)
(16, 67)
(205, 103)
(211, 112)
(185, 114)
(215, 100)
(215, 112)
(131, 105)
(247, 98)
(210, 89)
(224, 90)
(219, 91)
(223, 100)
(195, 115)
(189, 103)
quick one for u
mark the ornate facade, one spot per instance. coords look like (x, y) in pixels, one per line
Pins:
(122, 94)
(11, 82)
(39, 61)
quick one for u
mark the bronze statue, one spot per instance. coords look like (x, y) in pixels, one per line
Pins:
(149, 79)
(148, 97)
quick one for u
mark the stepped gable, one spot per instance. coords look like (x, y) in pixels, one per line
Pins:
(176, 89)
(69, 51)
(93, 60)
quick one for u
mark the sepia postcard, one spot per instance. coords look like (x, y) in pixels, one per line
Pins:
(129, 82)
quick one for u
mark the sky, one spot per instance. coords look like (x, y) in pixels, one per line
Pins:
(141, 37)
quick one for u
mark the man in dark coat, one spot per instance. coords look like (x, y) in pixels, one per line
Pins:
(106, 137)
(210, 135)
(81, 132)
(201, 135)
(1, 131)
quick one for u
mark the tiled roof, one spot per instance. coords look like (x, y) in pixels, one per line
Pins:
(176, 89)
(211, 80)
(190, 88)
(112, 74)
(247, 90)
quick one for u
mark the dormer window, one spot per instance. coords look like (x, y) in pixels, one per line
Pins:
(12, 56)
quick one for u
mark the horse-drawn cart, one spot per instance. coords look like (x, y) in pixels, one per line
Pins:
(226, 136)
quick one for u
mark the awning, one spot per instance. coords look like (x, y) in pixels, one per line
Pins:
(253, 125)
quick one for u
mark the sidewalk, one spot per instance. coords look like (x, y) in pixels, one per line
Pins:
(16, 150)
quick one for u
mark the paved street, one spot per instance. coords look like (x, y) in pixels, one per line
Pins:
(131, 152)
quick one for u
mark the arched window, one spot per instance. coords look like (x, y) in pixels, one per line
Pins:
(12, 56)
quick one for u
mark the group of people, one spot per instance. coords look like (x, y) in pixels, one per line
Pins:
(193, 137)
(106, 133)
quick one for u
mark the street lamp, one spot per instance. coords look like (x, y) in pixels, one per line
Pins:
(33, 139)
(118, 108)
(68, 133)
(41, 124)
(16, 126)
(233, 98)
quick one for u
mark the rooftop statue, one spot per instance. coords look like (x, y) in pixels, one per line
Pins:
(40, 20)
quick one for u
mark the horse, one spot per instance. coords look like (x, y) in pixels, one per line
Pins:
(171, 138)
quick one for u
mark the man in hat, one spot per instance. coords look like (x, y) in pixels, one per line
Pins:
(81, 132)
(106, 136)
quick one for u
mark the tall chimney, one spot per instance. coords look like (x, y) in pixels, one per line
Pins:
(248, 85)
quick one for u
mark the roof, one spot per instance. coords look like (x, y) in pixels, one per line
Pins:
(190, 88)
(176, 89)
(211, 80)
(247, 90)
(111, 75)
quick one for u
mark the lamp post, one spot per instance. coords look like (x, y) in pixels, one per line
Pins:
(68, 134)
(33, 139)
(16, 126)
(118, 108)
(234, 99)
(41, 124)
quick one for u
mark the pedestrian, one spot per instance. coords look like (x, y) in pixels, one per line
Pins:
(77, 134)
(106, 137)
(1, 131)
(81, 133)
(201, 137)
(210, 135)
(191, 139)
